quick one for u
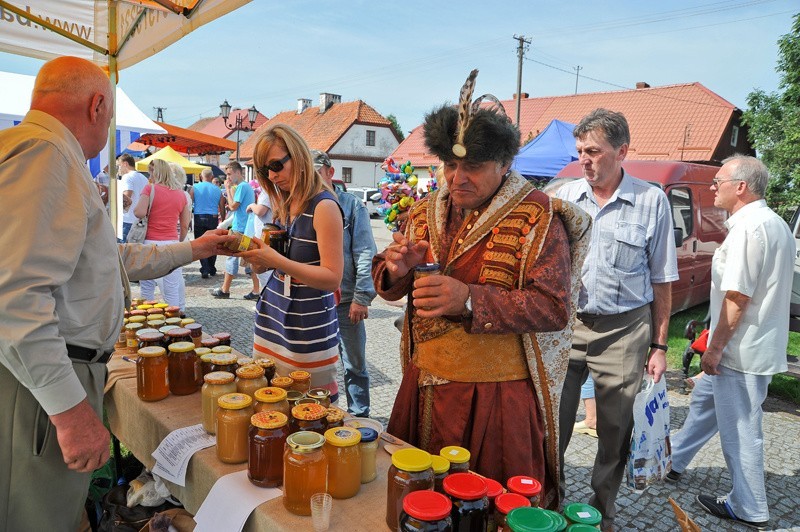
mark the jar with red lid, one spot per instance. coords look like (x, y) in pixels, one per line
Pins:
(503, 504)
(138, 312)
(267, 438)
(209, 342)
(172, 312)
(184, 369)
(495, 489)
(223, 337)
(310, 417)
(249, 379)
(458, 457)
(302, 380)
(470, 503)
(196, 331)
(527, 487)
(179, 335)
(410, 471)
(425, 511)
(441, 468)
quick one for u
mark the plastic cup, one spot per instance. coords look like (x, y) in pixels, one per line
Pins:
(321, 511)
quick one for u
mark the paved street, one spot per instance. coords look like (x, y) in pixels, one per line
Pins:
(649, 511)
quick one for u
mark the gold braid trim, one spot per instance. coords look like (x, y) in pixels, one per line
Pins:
(427, 416)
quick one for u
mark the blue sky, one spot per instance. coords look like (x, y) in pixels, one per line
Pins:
(405, 58)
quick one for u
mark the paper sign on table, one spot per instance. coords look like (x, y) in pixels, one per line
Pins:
(173, 453)
(230, 502)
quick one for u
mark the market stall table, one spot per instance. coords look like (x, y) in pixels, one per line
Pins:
(141, 426)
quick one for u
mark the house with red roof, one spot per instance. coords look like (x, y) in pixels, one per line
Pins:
(215, 126)
(684, 122)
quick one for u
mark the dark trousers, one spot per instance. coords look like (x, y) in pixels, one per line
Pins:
(203, 223)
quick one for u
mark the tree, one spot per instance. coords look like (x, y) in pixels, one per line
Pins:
(774, 122)
(396, 127)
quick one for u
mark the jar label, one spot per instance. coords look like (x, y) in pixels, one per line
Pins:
(584, 515)
(526, 481)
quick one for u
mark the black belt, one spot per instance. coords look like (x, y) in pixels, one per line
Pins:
(88, 355)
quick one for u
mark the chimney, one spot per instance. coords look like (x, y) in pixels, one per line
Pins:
(326, 100)
(642, 85)
(303, 104)
(525, 96)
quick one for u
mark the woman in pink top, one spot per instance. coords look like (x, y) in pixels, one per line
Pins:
(168, 223)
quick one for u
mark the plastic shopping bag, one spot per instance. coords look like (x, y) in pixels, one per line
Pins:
(650, 457)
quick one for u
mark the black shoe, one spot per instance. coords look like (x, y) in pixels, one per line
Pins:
(204, 275)
(718, 507)
(672, 476)
(252, 296)
(214, 273)
(219, 294)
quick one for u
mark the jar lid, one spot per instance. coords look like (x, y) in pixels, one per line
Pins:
(505, 502)
(223, 359)
(173, 308)
(530, 520)
(305, 441)
(293, 395)
(137, 319)
(181, 347)
(527, 486)
(586, 514)
(149, 335)
(200, 351)
(209, 342)
(335, 415)
(161, 305)
(152, 351)
(138, 312)
(218, 377)
(282, 382)
(456, 455)
(193, 327)
(245, 361)
(558, 519)
(264, 362)
(134, 326)
(222, 349)
(427, 267)
(166, 329)
(440, 464)
(318, 393)
(208, 358)
(173, 321)
(143, 307)
(412, 460)
(234, 401)
(178, 331)
(367, 434)
(156, 316)
(495, 488)
(269, 419)
(465, 486)
(300, 375)
(186, 321)
(222, 336)
(270, 394)
(151, 302)
(342, 436)
(250, 372)
(156, 323)
(309, 412)
(427, 505)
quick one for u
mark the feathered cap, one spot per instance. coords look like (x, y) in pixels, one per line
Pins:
(471, 132)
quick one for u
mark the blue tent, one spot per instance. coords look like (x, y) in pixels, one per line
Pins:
(548, 153)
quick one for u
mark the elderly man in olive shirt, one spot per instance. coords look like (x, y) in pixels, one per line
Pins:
(63, 289)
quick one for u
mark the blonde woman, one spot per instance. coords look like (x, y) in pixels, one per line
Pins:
(296, 324)
(170, 208)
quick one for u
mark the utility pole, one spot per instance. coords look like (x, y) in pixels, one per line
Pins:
(160, 113)
(577, 70)
(522, 47)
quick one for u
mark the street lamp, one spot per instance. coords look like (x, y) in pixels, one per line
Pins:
(238, 125)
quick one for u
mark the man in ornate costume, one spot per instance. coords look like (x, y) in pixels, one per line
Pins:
(485, 344)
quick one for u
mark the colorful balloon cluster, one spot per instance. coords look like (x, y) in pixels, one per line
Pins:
(432, 183)
(398, 192)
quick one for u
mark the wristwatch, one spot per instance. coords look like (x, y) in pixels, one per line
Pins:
(659, 346)
(468, 304)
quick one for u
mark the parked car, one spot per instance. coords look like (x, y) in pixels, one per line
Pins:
(699, 226)
(366, 196)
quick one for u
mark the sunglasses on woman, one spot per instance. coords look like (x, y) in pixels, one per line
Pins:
(276, 166)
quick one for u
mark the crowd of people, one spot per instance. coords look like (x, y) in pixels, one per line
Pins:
(515, 298)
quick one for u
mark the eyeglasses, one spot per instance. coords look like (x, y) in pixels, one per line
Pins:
(275, 166)
(718, 182)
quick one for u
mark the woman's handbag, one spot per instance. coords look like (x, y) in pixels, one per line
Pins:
(138, 231)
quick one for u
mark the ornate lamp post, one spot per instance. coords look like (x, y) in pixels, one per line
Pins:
(238, 124)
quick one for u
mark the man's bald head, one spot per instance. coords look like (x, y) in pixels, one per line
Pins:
(78, 93)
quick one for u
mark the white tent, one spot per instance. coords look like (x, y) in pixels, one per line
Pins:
(131, 121)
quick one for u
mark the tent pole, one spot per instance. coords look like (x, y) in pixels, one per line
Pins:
(112, 128)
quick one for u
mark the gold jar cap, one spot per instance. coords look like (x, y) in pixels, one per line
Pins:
(335, 415)
(264, 362)
(143, 307)
(173, 321)
(269, 419)
(342, 436)
(200, 351)
(218, 377)
(152, 351)
(245, 361)
(155, 317)
(137, 319)
(222, 349)
(270, 394)
(282, 382)
(208, 358)
(309, 412)
(161, 305)
(167, 328)
(250, 372)
(300, 375)
(440, 464)
(156, 324)
(234, 401)
(134, 326)
(454, 453)
(181, 347)
(186, 321)
(223, 359)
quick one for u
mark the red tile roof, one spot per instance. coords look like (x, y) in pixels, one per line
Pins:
(685, 121)
(216, 126)
(321, 130)
(200, 124)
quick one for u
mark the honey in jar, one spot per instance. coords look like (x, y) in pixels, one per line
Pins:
(131, 342)
(151, 303)
(293, 396)
(144, 306)
(152, 383)
(344, 461)
(410, 471)
(186, 321)
(458, 457)
(305, 471)
(205, 361)
(309, 417)
(138, 319)
(223, 337)
(149, 338)
(184, 369)
(369, 452)
(233, 425)
(161, 305)
(223, 362)
(282, 382)
(268, 365)
(267, 439)
(172, 312)
(322, 395)
(156, 324)
(196, 331)
(217, 384)
(335, 417)
(249, 379)
(272, 398)
(245, 361)
(302, 380)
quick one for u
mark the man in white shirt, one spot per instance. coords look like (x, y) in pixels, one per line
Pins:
(751, 285)
(130, 186)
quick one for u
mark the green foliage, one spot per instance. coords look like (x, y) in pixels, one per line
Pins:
(774, 122)
(396, 126)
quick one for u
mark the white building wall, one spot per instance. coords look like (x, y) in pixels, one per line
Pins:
(354, 144)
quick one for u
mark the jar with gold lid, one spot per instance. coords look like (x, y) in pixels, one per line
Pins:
(271, 398)
(305, 471)
(161, 305)
(249, 379)
(223, 350)
(184, 368)
(206, 362)
(131, 342)
(216, 384)
(156, 324)
(173, 321)
(458, 458)
(244, 361)
(302, 380)
(233, 425)
(223, 362)
(267, 438)
(152, 383)
(309, 417)
(344, 461)
(144, 306)
(186, 321)
(282, 382)
(138, 319)
(268, 365)
(335, 417)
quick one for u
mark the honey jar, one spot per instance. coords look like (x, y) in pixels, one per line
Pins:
(369, 452)
(233, 425)
(322, 395)
(244, 361)
(152, 383)
(223, 362)
(344, 461)
(470, 503)
(268, 365)
(458, 457)
(302, 380)
(179, 334)
(272, 398)
(131, 342)
(223, 337)
(441, 468)
(209, 342)
(186, 321)
(410, 471)
(335, 417)
(216, 384)
(249, 379)
(305, 471)
(196, 331)
(184, 369)
(282, 382)
(172, 311)
(176, 321)
(309, 417)
(267, 439)
(527, 487)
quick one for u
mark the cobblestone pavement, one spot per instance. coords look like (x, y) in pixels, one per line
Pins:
(647, 511)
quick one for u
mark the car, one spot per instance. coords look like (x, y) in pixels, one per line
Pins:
(366, 196)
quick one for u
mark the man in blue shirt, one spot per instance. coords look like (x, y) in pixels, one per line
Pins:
(208, 210)
(357, 290)
(238, 195)
(624, 301)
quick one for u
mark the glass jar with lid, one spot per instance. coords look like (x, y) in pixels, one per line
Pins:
(173, 321)
(209, 342)
(149, 337)
(322, 395)
(267, 438)
(223, 337)
(470, 503)
(172, 311)
(282, 382)
(223, 362)
(144, 306)
(179, 335)
(151, 303)
(441, 468)
(152, 383)
(305, 471)
(302, 380)
(233, 425)
(369, 454)
(161, 305)
(495, 489)
(217, 384)
(410, 471)
(293, 396)
(425, 511)
(196, 331)
(503, 504)
(186, 321)
(309, 417)
(268, 365)
(527, 487)
(205, 361)
(458, 457)
(527, 518)
(271, 398)
(583, 514)
(249, 379)
(344, 461)
(184, 369)
(156, 324)
(335, 417)
(560, 521)
(201, 352)
(138, 318)
(131, 342)
(244, 361)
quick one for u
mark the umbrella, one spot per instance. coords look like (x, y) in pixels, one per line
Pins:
(171, 156)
